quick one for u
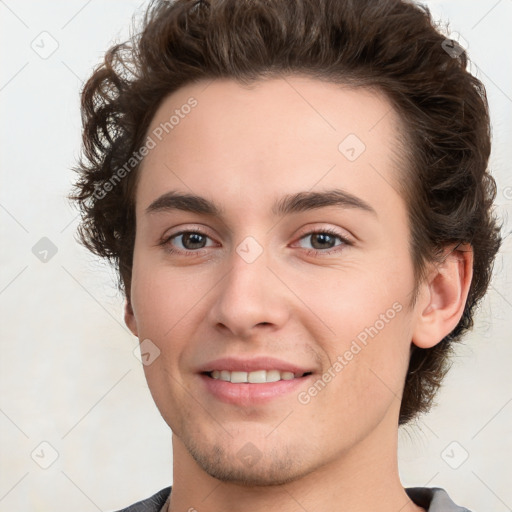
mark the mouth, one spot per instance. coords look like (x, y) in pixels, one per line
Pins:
(254, 377)
(247, 382)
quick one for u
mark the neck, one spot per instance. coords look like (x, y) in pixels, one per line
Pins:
(364, 479)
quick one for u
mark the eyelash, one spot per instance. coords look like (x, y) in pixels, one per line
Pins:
(310, 252)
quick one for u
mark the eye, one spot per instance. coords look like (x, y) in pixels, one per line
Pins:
(190, 242)
(324, 240)
(186, 241)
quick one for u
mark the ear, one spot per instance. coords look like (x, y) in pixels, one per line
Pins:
(443, 296)
(129, 317)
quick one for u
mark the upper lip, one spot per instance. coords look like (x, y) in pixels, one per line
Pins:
(234, 364)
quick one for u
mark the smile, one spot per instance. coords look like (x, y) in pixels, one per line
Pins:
(254, 377)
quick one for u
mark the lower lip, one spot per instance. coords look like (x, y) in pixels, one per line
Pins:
(249, 394)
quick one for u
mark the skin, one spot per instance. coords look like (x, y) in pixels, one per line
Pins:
(243, 148)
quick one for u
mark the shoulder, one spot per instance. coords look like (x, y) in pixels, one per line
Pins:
(151, 504)
(433, 499)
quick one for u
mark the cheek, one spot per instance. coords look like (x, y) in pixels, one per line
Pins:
(163, 304)
(164, 298)
(169, 307)
(350, 299)
(367, 338)
(367, 375)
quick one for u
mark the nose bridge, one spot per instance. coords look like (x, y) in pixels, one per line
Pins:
(249, 294)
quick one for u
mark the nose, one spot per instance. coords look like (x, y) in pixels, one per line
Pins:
(249, 298)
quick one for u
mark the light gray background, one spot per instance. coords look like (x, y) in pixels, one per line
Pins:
(68, 373)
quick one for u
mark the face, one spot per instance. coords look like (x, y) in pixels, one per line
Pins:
(288, 263)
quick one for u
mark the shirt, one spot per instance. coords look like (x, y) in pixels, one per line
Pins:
(431, 499)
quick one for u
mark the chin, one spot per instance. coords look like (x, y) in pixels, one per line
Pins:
(248, 466)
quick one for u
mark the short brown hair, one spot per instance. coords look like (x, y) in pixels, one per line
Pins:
(392, 46)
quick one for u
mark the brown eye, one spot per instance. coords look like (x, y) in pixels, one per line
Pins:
(193, 240)
(186, 242)
(322, 240)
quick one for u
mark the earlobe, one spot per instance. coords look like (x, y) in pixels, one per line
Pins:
(444, 296)
(129, 318)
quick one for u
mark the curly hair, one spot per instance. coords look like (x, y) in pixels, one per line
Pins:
(392, 46)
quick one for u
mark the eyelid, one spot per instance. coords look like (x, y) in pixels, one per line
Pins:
(191, 228)
(166, 238)
(342, 234)
(332, 251)
(305, 232)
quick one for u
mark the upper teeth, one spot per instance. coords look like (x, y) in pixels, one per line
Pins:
(256, 377)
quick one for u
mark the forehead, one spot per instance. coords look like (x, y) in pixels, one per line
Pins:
(244, 144)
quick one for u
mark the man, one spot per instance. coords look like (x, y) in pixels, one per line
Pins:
(296, 198)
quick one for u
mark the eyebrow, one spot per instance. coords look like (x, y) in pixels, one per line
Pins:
(291, 203)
